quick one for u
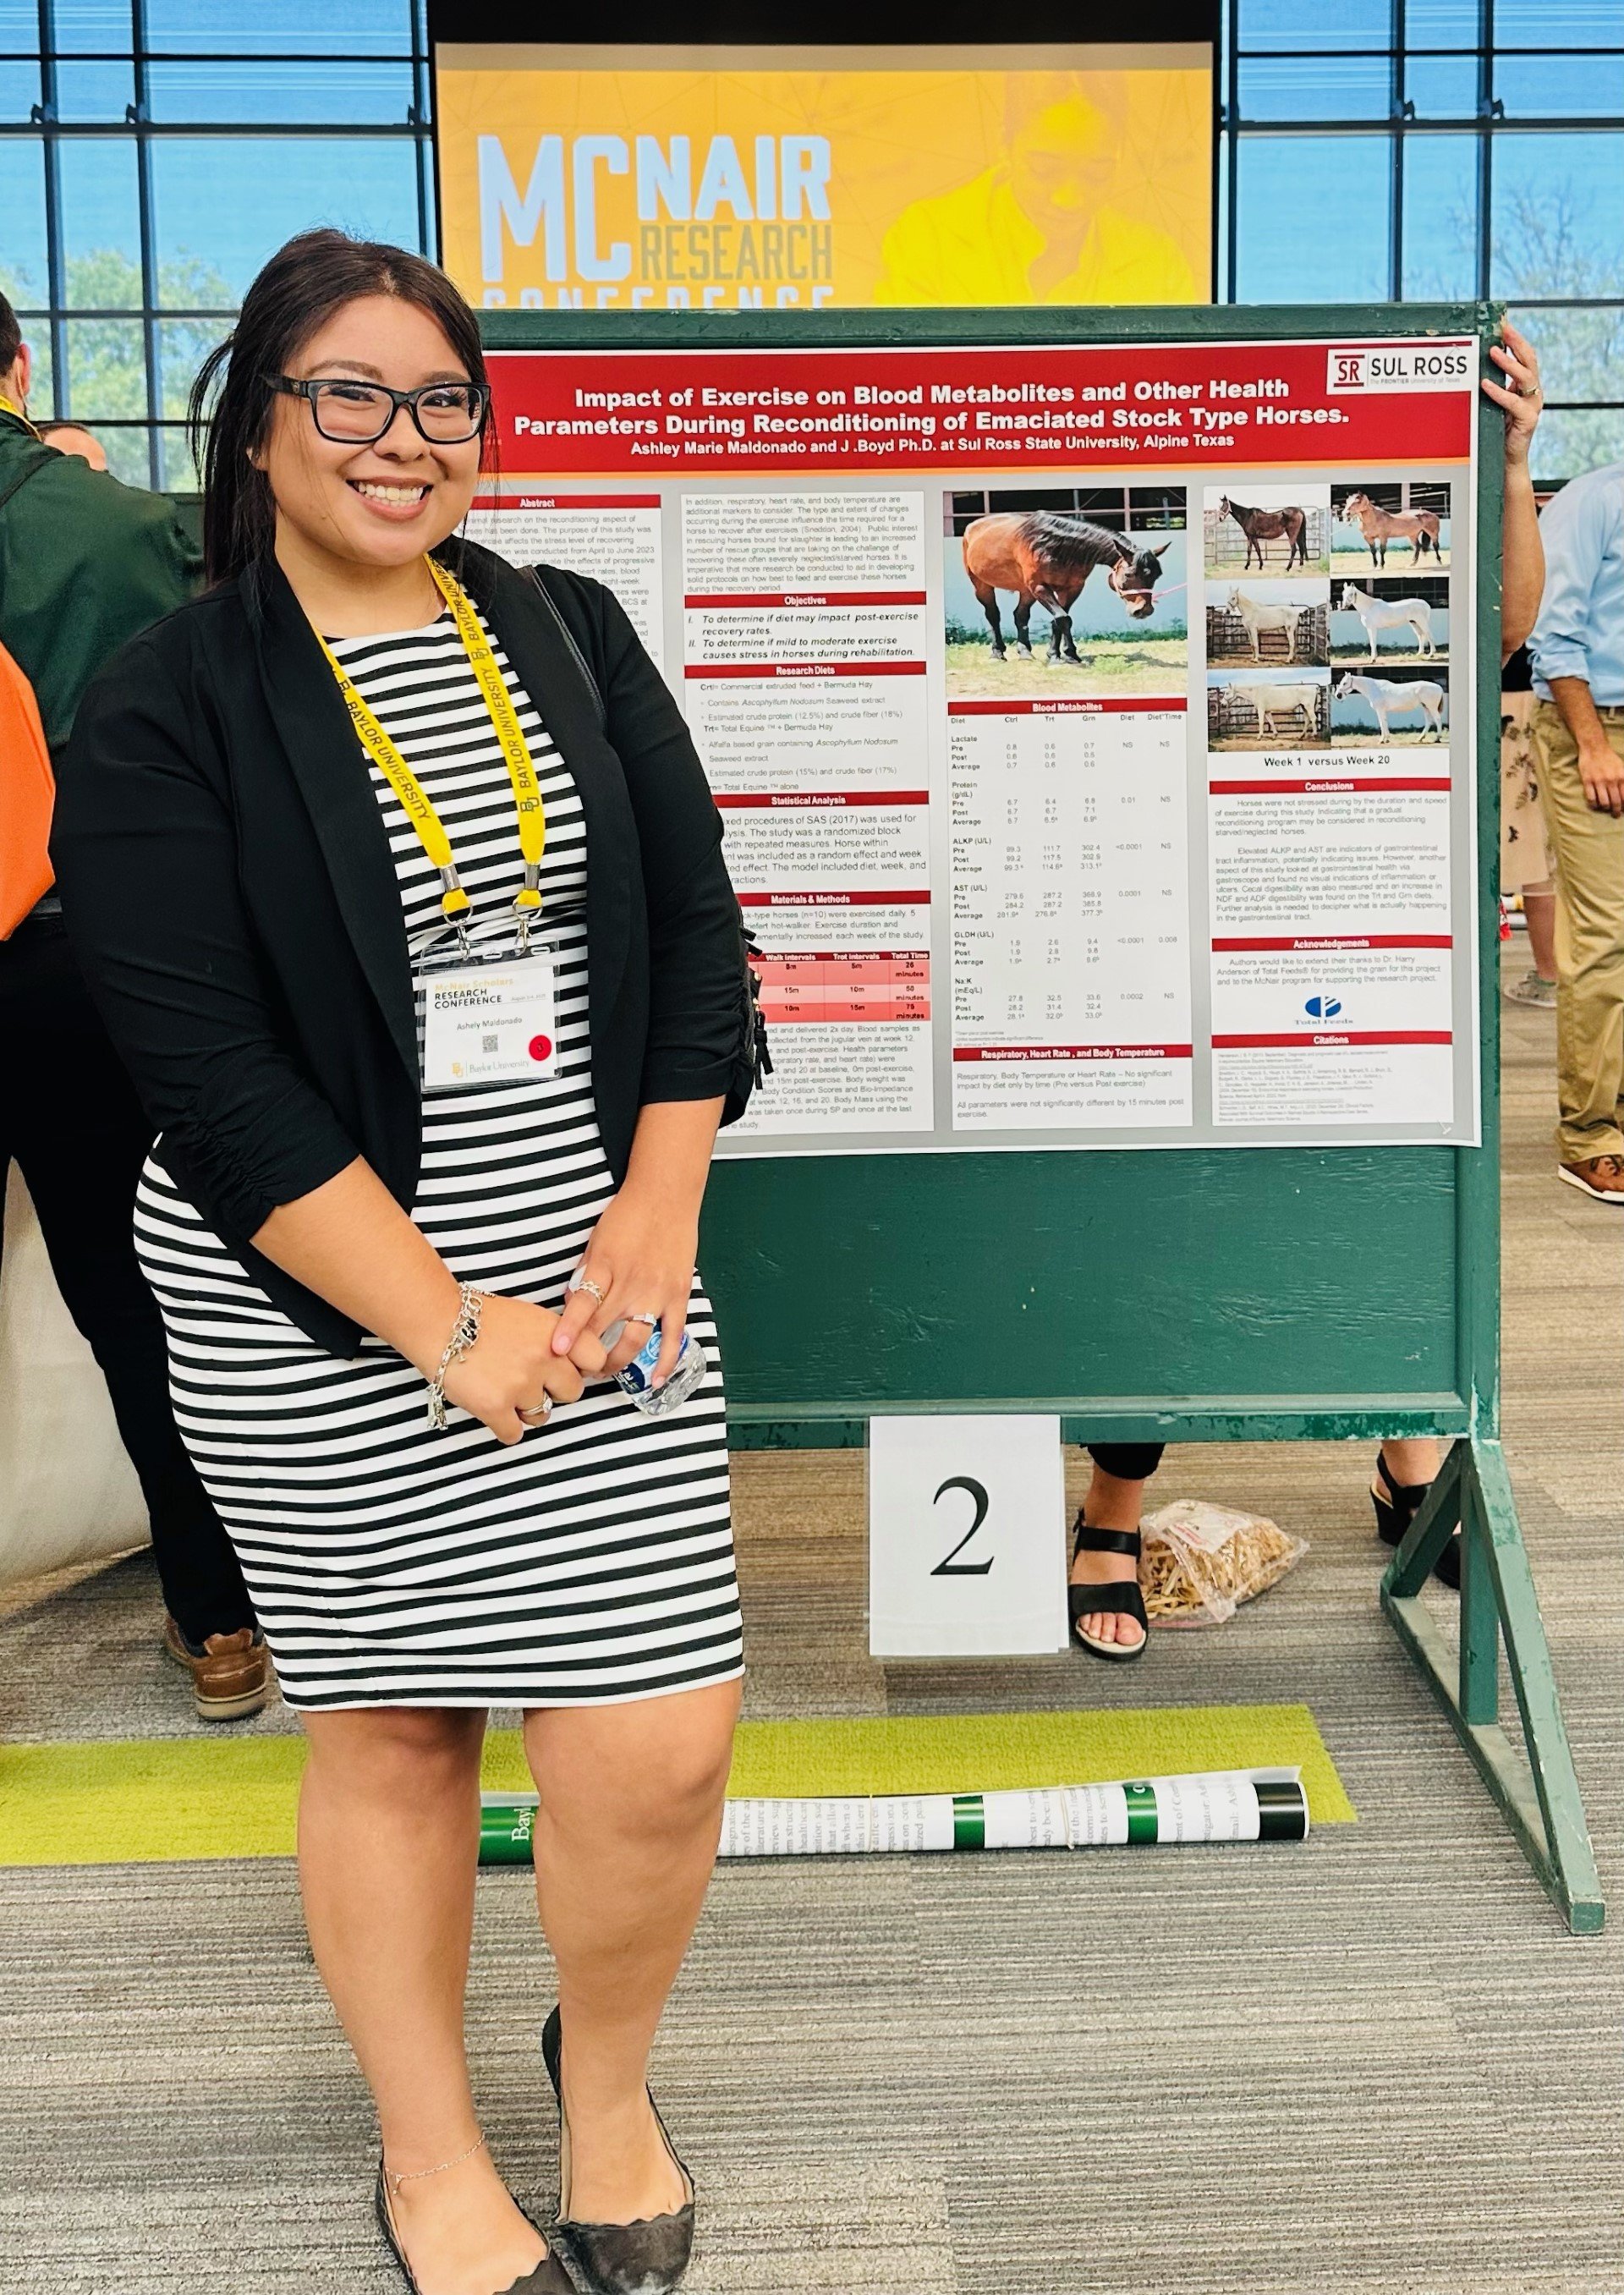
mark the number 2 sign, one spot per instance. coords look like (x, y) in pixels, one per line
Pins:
(966, 1537)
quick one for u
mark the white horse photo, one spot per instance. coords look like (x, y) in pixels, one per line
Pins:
(1280, 702)
(1396, 698)
(1378, 614)
(1258, 616)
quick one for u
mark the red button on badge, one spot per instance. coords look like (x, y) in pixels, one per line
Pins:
(541, 1048)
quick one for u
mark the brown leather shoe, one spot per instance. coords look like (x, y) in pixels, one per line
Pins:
(1599, 1177)
(231, 1673)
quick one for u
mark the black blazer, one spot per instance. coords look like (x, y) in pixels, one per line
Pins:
(230, 898)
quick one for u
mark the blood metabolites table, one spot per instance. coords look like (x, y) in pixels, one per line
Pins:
(1069, 914)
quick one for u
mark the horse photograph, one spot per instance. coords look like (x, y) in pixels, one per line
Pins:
(1267, 709)
(1110, 597)
(1384, 619)
(1395, 712)
(1276, 530)
(1281, 624)
(1390, 529)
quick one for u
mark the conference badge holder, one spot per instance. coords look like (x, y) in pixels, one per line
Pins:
(486, 1015)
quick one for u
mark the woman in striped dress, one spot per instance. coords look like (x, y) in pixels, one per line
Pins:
(356, 780)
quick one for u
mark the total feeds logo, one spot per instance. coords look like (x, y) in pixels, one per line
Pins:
(1323, 1008)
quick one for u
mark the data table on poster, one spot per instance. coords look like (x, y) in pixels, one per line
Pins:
(1079, 719)
(1069, 914)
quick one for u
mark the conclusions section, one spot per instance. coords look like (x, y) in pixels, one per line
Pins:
(1332, 959)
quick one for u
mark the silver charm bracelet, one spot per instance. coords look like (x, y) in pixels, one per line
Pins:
(464, 1332)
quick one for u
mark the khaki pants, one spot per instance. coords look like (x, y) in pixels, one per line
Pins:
(1589, 849)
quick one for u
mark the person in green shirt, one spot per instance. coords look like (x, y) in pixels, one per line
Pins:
(85, 564)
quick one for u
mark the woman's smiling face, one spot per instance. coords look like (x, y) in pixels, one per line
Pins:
(386, 502)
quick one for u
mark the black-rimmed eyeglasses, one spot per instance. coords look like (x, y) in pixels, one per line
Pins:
(357, 413)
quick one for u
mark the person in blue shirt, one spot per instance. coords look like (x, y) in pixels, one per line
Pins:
(1577, 653)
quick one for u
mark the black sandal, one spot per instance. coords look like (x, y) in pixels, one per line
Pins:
(645, 2258)
(1084, 1601)
(1395, 1513)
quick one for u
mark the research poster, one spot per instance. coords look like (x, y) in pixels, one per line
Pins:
(1091, 727)
(603, 177)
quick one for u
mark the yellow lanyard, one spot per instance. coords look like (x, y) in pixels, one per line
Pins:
(9, 406)
(515, 751)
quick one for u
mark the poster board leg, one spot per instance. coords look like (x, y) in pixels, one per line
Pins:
(1480, 1616)
(1540, 1797)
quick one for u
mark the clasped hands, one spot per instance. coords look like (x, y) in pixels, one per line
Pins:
(639, 1263)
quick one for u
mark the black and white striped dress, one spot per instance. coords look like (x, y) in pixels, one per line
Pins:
(390, 1563)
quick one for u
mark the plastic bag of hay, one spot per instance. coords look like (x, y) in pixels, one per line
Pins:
(1202, 1561)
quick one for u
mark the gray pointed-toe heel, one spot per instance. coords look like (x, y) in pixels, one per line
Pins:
(646, 2258)
(547, 2278)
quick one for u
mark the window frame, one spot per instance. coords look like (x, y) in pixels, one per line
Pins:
(51, 132)
(1486, 130)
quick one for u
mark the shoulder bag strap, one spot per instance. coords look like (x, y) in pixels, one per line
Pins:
(757, 1058)
(568, 636)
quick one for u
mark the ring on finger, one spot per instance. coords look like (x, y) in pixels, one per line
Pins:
(579, 1282)
(651, 1319)
(539, 1414)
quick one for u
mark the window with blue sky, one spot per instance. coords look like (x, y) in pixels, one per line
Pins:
(1433, 149)
(153, 153)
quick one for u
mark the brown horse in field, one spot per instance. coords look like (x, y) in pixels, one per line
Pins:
(1289, 525)
(1045, 558)
(1419, 528)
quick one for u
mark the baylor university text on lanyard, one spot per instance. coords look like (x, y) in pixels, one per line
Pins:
(484, 1020)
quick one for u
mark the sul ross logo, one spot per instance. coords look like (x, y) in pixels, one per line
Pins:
(1376, 367)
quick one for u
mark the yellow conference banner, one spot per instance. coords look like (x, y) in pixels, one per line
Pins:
(790, 179)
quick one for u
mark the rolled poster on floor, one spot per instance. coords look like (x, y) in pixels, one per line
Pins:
(1212, 1806)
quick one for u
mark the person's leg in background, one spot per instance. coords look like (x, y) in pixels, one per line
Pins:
(1526, 863)
(1406, 1467)
(74, 1125)
(1111, 1510)
(1539, 909)
(1538, 985)
(1589, 848)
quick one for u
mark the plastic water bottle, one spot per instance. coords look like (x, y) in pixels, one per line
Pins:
(637, 1379)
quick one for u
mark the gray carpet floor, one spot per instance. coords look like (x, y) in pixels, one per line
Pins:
(1375, 2064)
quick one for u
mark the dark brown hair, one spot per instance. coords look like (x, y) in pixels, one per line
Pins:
(298, 291)
(10, 335)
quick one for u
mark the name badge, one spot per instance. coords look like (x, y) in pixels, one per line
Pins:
(490, 1023)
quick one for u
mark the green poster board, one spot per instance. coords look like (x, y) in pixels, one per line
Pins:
(1182, 1294)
